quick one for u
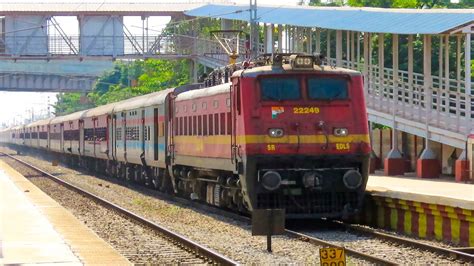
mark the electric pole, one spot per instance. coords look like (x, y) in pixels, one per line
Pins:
(254, 36)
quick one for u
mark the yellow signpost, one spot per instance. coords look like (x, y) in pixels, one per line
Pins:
(332, 256)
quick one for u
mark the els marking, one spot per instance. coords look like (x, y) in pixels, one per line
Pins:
(343, 146)
(271, 147)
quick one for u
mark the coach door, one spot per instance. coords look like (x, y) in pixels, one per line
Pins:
(61, 139)
(143, 131)
(125, 131)
(155, 134)
(113, 137)
(235, 111)
(81, 137)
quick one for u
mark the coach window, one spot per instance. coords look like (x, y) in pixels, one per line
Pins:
(216, 124)
(279, 89)
(195, 125)
(215, 103)
(199, 118)
(204, 106)
(211, 125)
(185, 132)
(222, 124)
(204, 125)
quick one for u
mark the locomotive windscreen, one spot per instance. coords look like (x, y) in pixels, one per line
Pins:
(279, 89)
(327, 89)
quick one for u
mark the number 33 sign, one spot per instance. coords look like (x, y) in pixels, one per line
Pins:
(332, 256)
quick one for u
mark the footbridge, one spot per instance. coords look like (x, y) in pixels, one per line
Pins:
(31, 32)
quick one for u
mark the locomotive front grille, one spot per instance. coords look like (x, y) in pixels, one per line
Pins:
(310, 203)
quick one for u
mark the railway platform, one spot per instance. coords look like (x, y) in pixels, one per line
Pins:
(35, 229)
(432, 209)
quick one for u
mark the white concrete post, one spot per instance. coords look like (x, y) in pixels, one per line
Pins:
(352, 57)
(446, 65)
(358, 49)
(467, 62)
(365, 71)
(328, 43)
(410, 70)
(338, 48)
(348, 49)
(427, 84)
(394, 152)
(280, 38)
(269, 38)
(395, 67)
(309, 40)
(381, 61)
(318, 41)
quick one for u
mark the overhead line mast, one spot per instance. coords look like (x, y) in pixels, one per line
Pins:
(254, 36)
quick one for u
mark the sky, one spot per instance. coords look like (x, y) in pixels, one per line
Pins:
(17, 107)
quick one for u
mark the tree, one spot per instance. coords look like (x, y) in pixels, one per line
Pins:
(126, 80)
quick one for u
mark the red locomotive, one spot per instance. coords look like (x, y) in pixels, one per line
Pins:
(285, 132)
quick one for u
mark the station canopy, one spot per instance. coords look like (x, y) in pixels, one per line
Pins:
(377, 20)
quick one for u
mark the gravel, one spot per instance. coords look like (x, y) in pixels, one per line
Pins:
(379, 248)
(225, 235)
(139, 244)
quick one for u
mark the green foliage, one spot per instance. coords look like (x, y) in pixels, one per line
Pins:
(69, 103)
(126, 80)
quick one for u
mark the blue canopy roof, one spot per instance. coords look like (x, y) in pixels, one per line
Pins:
(379, 20)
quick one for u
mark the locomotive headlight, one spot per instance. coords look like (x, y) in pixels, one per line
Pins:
(271, 180)
(275, 132)
(341, 132)
(352, 179)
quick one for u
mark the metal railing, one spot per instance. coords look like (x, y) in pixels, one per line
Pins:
(445, 105)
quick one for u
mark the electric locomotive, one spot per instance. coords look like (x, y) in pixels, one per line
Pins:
(286, 133)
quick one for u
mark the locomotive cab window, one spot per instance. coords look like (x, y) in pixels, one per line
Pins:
(280, 89)
(327, 89)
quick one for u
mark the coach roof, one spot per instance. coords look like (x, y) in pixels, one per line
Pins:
(209, 91)
(146, 100)
(67, 118)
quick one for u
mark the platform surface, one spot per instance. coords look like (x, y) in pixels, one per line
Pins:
(423, 190)
(35, 229)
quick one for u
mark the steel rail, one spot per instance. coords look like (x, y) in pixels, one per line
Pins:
(174, 237)
(352, 252)
(452, 253)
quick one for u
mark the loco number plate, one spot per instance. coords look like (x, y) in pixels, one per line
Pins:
(305, 110)
(332, 256)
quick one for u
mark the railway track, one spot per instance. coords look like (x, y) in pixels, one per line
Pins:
(182, 250)
(394, 242)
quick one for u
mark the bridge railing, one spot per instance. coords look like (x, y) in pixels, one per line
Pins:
(451, 107)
